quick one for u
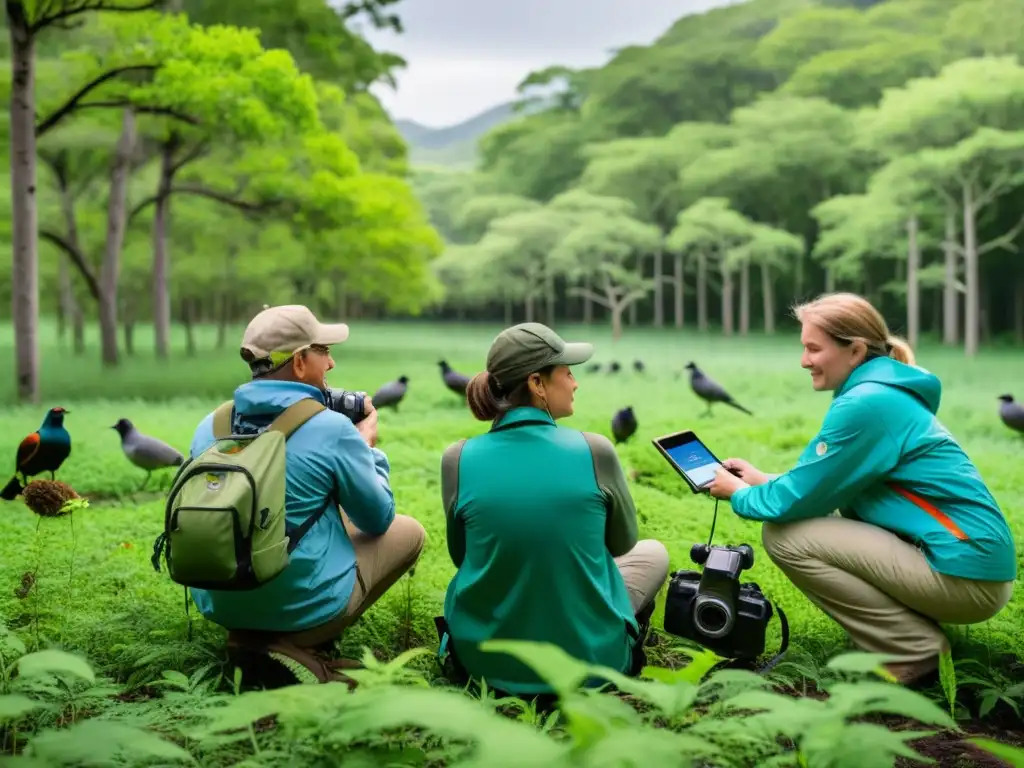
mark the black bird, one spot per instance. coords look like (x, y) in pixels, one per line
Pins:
(42, 451)
(1011, 413)
(455, 381)
(638, 366)
(593, 368)
(710, 391)
(391, 394)
(624, 424)
(614, 367)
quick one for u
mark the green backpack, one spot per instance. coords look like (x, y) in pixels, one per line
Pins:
(224, 522)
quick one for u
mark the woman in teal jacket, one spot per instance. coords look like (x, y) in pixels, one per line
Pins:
(541, 525)
(919, 538)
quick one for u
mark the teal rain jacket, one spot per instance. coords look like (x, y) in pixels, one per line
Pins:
(883, 456)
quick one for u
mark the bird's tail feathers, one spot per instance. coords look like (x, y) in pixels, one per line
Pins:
(12, 489)
(739, 407)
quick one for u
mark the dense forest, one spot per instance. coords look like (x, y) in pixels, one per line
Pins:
(752, 157)
(189, 161)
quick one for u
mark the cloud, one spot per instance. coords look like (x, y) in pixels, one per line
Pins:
(467, 55)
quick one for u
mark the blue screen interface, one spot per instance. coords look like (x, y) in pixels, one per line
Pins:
(696, 461)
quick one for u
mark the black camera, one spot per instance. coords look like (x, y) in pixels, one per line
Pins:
(713, 609)
(351, 404)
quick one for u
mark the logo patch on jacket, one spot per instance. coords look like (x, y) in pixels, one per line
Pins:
(821, 448)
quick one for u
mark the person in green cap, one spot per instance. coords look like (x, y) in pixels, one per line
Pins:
(541, 524)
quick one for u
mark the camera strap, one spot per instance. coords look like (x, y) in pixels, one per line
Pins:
(783, 621)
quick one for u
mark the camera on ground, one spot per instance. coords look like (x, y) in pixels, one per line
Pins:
(350, 404)
(711, 607)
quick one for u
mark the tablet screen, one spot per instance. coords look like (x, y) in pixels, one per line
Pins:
(696, 461)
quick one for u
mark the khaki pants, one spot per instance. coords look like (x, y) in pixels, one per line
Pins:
(878, 587)
(380, 562)
(644, 569)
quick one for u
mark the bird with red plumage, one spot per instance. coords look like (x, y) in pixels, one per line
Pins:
(42, 451)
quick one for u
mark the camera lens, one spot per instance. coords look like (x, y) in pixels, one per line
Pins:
(712, 617)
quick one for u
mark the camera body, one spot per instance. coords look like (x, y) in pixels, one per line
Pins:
(350, 404)
(713, 609)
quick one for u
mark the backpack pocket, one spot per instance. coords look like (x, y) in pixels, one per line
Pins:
(197, 532)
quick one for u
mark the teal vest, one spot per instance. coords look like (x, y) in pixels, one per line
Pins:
(536, 564)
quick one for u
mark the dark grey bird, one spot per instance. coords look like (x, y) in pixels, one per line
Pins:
(710, 391)
(593, 368)
(391, 394)
(614, 367)
(455, 381)
(146, 452)
(624, 424)
(638, 366)
(1012, 413)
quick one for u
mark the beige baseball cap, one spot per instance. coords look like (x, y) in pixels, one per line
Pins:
(277, 333)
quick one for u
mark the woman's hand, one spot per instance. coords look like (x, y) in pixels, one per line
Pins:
(750, 474)
(725, 484)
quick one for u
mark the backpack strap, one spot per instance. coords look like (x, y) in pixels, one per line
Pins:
(222, 420)
(295, 415)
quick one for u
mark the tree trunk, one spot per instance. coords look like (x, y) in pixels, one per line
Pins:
(161, 266)
(659, 290)
(188, 320)
(24, 214)
(830, 280)
(116, 218)
(702, 292)
(745, 298)
(1018, 308)
(616, 312)
(950, 294)
(727, 296)
(680, 292)
(913, 288)
(549, 295)
(529, 308)
(128, 326)
(640, 274)
(588, 304)
(768, 298)
(70, 305)
(971, 313)
(223, 316)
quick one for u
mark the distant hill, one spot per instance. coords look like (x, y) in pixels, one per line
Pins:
(454, 145)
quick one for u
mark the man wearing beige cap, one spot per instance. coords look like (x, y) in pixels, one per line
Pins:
(344, 562)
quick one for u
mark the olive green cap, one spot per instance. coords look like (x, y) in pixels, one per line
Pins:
(526, 348)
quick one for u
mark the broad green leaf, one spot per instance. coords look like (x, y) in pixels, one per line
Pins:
(14, 706)
(55, 662)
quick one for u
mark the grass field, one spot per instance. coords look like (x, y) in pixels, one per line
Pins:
(97, 594)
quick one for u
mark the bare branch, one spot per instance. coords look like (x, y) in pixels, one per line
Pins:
(590, 295)
(220, 197)
(96, 5)
(141, 109)
(1004, 241)
(77, 257)
(73, 103)
(194, 154)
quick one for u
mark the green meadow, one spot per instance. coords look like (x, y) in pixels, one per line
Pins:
(94, 592)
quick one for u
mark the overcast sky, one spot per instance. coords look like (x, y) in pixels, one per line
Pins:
(467, 55)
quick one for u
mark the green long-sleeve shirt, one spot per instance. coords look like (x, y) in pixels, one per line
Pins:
(535, 515)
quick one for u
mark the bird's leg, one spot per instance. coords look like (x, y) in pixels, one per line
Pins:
(707, 411)
(144, 482)
(52, 476)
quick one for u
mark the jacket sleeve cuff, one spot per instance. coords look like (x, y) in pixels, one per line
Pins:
(741, 504)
